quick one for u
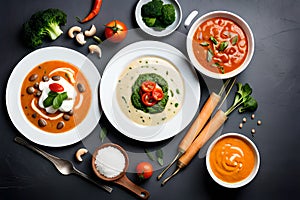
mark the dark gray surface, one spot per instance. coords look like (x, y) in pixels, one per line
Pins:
(273, 74)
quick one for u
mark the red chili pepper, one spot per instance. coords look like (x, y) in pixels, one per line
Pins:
(94, 12)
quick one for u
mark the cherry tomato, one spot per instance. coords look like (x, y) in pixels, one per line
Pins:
(144, 170)
(115, 31)
(55, 87)
(148, 99)
(157, 94)
(148, 86)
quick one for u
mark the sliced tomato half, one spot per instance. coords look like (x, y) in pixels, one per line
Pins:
(148, 86)
(55, 87)
(148, 99)
(157, 94)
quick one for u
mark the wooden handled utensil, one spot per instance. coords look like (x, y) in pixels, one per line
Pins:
(120, 179)
(199, 123)
(212, 126)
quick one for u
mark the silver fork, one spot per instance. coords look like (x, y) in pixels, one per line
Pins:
(65, 167)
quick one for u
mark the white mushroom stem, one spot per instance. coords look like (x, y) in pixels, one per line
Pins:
(79, 153)
(90, 32)
(95, 49)
(73, 30)
(80, 38)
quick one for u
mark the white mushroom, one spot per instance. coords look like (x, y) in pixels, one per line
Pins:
(79, 153)
(95, 49)
(80, 38)
(90, 32)
(72, 30)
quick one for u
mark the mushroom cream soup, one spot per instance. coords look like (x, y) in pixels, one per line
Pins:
(156, 104)
(55, 96)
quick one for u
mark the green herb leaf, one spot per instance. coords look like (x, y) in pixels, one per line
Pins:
(48, 101)
(53, 94)
(213, 40)
(160, 155)
(103, 134)
(210, 55)
(149, 154)
(160, 161)
(58, 100)
(215, 65)
(234, 40)
(223, 46)
(243, 97)
(220, 67)
(249, 105)
(204, 44)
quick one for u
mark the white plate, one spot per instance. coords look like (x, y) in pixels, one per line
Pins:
(13, 93)
(109, 82)
(159, 33)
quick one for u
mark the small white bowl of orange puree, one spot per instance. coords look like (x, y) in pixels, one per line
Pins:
(232, 160)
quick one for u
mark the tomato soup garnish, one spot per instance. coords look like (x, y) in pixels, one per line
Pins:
(220, 45)
(232, 159)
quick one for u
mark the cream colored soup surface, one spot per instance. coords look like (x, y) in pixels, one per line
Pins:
(162, 67)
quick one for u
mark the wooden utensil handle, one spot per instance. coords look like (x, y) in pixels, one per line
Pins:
(199, 122)
(212, 126)
(128, 184)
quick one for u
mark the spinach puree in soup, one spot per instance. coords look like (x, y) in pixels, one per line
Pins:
(136, 97)
(150, 91)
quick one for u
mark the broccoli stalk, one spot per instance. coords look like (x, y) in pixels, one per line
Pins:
(53, 30)
(42, 25)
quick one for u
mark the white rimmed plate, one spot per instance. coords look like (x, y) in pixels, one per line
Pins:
(110, 78)
(152, 31)
(13, 93)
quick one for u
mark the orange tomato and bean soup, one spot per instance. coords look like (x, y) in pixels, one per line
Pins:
(232, 159)
(220, 45)
(61, 81)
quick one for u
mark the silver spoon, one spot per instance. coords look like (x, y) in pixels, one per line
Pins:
(65, 167)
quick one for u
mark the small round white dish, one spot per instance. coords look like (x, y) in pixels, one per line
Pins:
(237, 19)
(152, 31)
(110, 79)
(254, 170)
(13, 97)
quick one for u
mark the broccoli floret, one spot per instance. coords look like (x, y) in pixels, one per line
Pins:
(158, 15)
(149, 21)
(168, 14)
(43, 24)
(152, 8)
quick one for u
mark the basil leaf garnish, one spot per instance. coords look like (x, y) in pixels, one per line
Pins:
(58, 100)
(204, 44)
(48, 101)
(210, 55)
(220, 67)
(216, 65)
(213, 40)
(234, 40)
(223, 46)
